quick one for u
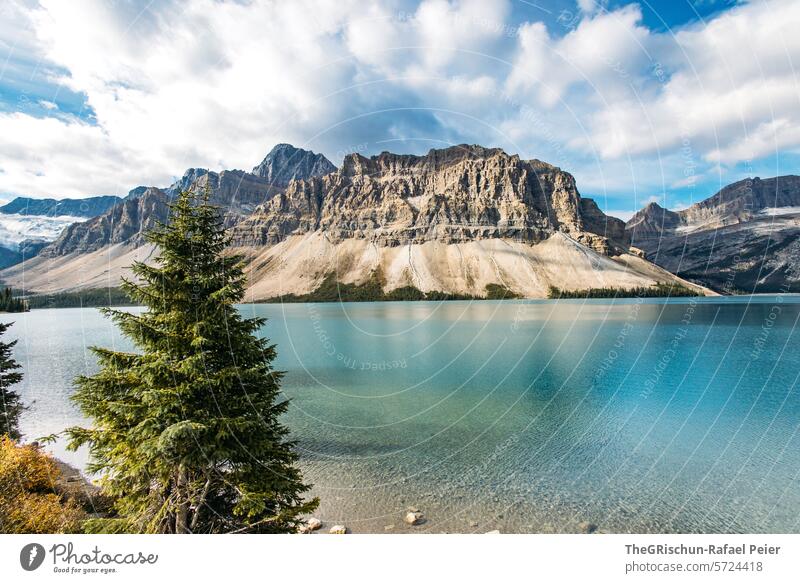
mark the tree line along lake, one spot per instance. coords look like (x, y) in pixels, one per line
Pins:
(636, 415)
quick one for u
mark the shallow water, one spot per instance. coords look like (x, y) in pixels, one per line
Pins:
(524, 416)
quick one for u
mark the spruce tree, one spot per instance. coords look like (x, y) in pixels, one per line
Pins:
(186, 432)
(10, 303)
(9, 400)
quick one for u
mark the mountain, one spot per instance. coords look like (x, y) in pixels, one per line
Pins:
(451, 195)
(124, 223)
(9, 257)
(285, 163)
(454, 220)
(133, 193)
(71, 207)
(652, 222)
(70, 227)
(185, 182)
(236, 192)
(16, 229)
(745, 238)
(29, 224)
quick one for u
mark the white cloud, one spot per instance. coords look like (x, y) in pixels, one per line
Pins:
(717, 84)
(771, 136)
(208, 83)
(17, 34)
(601, 52)
(590, 6)
(60, 158)
(625, 215)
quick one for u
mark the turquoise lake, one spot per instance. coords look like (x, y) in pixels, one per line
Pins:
(524, 416)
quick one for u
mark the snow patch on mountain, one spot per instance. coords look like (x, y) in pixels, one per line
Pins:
(17, 228)
(779, 211)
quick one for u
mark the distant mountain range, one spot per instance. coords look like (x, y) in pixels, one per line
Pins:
(72, 207)
(27, 225)
(745, 238)
(235, 191)
(454, 220)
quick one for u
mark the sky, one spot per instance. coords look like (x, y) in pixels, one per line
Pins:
(640, 101)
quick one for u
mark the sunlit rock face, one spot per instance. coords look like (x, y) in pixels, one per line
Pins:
(461, 193)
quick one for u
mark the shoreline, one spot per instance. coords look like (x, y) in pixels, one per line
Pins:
(732, 298)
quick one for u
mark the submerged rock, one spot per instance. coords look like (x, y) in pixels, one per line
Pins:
(338, 529)
(587, 527)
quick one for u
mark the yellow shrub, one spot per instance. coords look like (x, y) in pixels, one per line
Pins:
(28, 499)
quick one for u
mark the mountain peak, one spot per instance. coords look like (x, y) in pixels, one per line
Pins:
(285, 163)
(652, 222)
(752, 195)
(74, 207)
(185, 182)
(436, 159)
(284, 147)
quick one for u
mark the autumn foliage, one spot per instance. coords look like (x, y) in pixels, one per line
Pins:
(29, 502)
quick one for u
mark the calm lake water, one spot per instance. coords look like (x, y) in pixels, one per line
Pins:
(522, 416)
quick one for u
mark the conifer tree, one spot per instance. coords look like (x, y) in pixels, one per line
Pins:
(9, 400)
(186, 432)
(8, 303)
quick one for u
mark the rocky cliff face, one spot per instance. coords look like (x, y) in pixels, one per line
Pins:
(183, 183)
(235, 191)
(744, 238)
(737, 203)
(125, 222)
(451, 195)
(285, 163)
(743, 201)
(186, 181)
(652, 222)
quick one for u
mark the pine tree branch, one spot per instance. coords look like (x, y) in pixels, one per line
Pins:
(257, 523)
